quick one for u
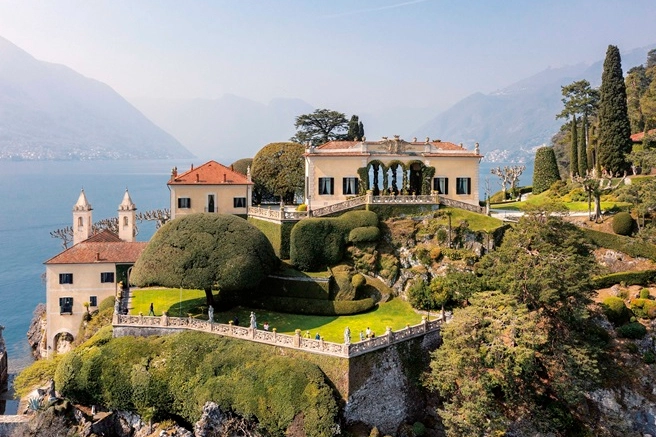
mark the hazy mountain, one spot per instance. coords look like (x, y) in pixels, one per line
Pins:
(511, 123)
(48, 111)
(227, 128)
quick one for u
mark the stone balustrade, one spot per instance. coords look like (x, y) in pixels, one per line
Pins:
(158, 325)
(276, 214)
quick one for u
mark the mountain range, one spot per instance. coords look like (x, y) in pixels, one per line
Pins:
(511, 123)
(48, 111)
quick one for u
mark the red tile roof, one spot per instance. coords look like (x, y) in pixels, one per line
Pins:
(636, 138)
(104, 247)
(210, 173)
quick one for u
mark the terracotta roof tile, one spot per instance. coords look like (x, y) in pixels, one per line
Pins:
(210, 173)
(638, 137)
(104, 247)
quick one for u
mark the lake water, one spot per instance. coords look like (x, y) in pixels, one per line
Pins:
(37, 197)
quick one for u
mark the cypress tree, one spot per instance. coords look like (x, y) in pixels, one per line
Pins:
(360, 131)
(614, 125)
(353, 128)
(583, 153)
(574, 152)
(545, 169)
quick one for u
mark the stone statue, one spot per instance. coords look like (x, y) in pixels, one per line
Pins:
(210, 313)
(347, 336)
(253, 320)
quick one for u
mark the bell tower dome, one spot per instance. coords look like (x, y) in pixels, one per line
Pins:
(82, 221)
(127, 216)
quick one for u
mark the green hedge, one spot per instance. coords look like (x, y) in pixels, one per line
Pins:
(623, 223)
(545, 169)
(319, 242)
(364, 234)
(175, 375)
(314, 307)
(277, 233)
(293, 287)
(620, 243)
(628, 278)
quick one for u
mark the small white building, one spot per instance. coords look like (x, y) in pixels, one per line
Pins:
(88, 272)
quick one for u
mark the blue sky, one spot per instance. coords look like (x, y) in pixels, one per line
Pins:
(346, 55)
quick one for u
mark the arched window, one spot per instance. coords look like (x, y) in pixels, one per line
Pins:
(80, 222)
(125, 221)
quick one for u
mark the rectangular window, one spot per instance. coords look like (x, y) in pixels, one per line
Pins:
(65, 305)
(239, 202)
(184, 202)
(463, 185)
(93, 301)
(66, 278)
(350, 186)
(441, 185)
(326, 186)
(106, 277)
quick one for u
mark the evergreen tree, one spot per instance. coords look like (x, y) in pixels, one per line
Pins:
(583, 153)
(360, 131)
(574, 152)
(545, 171)
(636, 85)
(614, 126)
(353, 129)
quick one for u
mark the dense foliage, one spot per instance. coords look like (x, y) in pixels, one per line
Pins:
(525, 351)
(545, 171)
(206, 251)
(321, 126)
(178, 374)
(319, 242)
(280, 169)
(614, 126)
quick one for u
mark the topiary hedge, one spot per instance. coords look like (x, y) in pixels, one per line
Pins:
(306, 288)
(318, 242)
(364, 234)
(545, 171)
(177, 374)
(621, 243)
(617, 313)
(314, 307)
(623, 223)
(628, 278)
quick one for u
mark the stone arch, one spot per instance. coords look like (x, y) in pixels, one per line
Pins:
(377, 170)
(414, 173)
(393, 175)
(61, 341)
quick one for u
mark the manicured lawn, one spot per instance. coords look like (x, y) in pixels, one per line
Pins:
(477, 222)
(571, 206)
(395, 313)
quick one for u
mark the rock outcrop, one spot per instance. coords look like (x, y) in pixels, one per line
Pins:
(36, 333)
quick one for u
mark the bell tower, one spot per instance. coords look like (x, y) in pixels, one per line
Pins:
(127, 216)
(82, 221)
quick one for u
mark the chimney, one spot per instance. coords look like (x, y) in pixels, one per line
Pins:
(197, 177)
(192, 166)
(225, 178)
(97, 256)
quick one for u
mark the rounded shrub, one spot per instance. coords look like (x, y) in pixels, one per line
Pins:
(644, 308)
(364, 234)
(644, 293)
(623, 223)
(616, 311)
(632, 330)
(301, 207)
(649, 357)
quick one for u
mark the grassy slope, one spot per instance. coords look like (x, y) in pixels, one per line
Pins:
(477, 222)
(543, 198)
